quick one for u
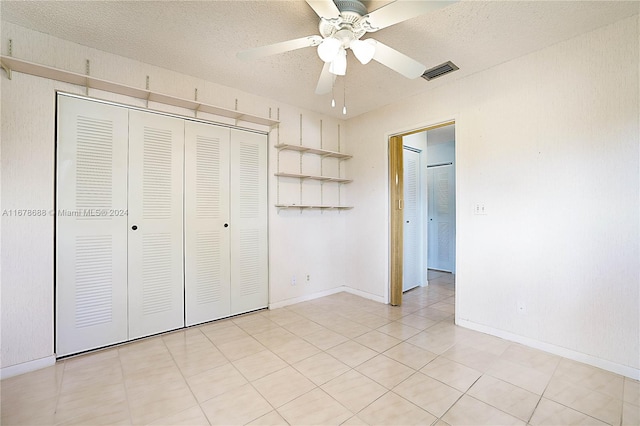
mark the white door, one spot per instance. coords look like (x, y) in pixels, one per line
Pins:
(207, 252)
(248, 224)
(91, 225)
(412, 257)
(441, 187)
(156, 294)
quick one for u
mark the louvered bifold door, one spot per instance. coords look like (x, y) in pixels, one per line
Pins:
(412, 273)
(207, 261)
(156, 291)
(248, 225)
(91, 225)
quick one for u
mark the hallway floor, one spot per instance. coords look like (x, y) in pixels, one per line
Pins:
(336, 360)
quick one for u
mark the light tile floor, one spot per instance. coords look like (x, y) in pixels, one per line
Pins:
(336, 360)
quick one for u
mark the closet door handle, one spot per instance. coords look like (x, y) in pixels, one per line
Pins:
(226, 225)
(134, 227)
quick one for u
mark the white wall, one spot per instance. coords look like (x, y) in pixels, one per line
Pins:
(550, 143)
(308, 243)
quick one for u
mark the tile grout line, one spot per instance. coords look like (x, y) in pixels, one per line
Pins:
(124, 385)
(59, 390)
(249, 382)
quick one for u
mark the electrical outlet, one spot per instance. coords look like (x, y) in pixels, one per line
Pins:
(479, 209)
(293, 280)
(308, 277)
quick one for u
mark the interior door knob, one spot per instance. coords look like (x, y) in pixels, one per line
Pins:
(226, 225)
(134, 227)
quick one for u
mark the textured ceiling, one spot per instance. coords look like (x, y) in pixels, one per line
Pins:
(201, 38)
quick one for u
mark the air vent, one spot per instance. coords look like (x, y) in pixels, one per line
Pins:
(439, 71)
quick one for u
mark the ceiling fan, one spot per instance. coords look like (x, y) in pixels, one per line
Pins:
(343, 23)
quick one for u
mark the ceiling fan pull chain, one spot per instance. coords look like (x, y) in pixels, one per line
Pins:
(344, 97)
(333, 96)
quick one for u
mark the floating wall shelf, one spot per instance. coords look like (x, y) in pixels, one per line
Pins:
(10, 64)
(323, 153)
(312, 177)
(307, 150)
(310, 207)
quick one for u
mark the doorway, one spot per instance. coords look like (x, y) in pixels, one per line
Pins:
(435, 223)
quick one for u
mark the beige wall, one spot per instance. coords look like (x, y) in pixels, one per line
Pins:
(549, 143)
(308, 243)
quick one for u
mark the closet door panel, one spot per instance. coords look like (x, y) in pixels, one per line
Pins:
(207, 259)
(156, 292)
(91, 223)
(249, 245)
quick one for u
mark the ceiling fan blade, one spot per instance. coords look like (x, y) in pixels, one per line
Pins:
(399, 11)
(325, 82)
(283, 46)
(399, 62)
(324, 8)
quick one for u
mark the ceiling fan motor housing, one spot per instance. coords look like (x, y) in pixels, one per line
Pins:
(346, 27)
(354, 6)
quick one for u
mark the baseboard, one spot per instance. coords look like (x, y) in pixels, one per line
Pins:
(364, 294)
(623, 370)
(306, 297)
(324, 293)
(26, 367)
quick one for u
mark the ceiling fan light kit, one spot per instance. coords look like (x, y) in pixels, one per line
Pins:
(342, 25)
(328, 49)
(364, 50)
(339, 65)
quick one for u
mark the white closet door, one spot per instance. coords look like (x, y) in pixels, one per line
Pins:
(412, 257)
(91, 236)
(207, 259)
(156, 291)
(441, 182)
(248, 225)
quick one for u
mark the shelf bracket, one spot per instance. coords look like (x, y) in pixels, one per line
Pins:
(7, 70)
(148, 92)
(236, 119)
(195, 98)
(87, 71)
(5, 67)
